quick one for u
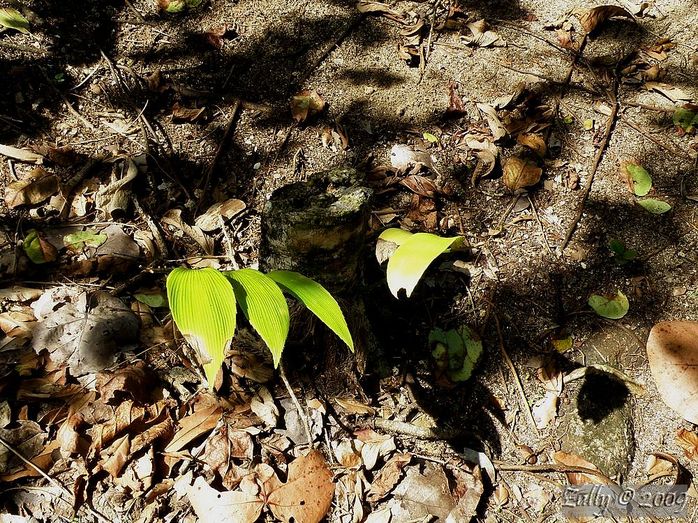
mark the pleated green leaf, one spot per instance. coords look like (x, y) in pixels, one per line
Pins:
(412, 258)
(388, 241)
(264, 306)
(317, 299)
(13, 19)
(203, 307)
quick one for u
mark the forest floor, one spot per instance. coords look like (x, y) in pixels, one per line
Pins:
(515, 133)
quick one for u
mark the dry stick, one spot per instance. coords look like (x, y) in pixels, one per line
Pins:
(51, 480)
(203, 186)
(651, 138)
(301, 412)
(540, 224)
(71, 109)
(513, 370)
(595, 166)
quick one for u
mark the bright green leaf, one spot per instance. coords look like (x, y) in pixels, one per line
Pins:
(686, 119)
(13, 19)
(175, 6)
(412, 258)
(456, 351)
(388, 241)
(588, 124)
(203, 307)
(79, 240)
(317, 299)
(568, 119)
(655, 206)
(151, 299)
(430, 137)
(264, 306)
(611, 307)
(641, 179)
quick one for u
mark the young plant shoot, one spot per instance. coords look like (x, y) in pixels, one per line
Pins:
(204, 304)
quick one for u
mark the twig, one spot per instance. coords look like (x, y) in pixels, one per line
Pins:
(550, 467)
(402, 428)
(594, 167)
(301, 412)
(651, 138)
(203, 186)
(51, 480)
(154, 229)
(540, 224)
(71, 109)
(517, 380)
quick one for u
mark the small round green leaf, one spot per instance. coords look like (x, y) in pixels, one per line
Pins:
(264, 305)
(430, 137)
(640, 178)
(611, 307)
(203, 307)
(151, 299)
(654, 206)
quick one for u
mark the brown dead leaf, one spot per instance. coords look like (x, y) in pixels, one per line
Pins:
(133, 381)
(593, 18)
(306, 104)
(672, 351)
(482, 36)
(27, 438)
(307, 495)
(225, 507)
(192, 426)
(495, 124)
(688, 441)
(353, 406)
(378, 8)
(388, 477)
(579, 478)
(125, 416)
(37, 187)
(187, 114)
(519, 173)
(115, 457)
(672, 92)
(173, 217)
(545, 410)
(21, 155)
(456, 107)
(211, 219)
(215, 36)
(533, 141)
(420, 185)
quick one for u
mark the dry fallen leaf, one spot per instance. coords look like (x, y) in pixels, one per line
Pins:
(420, 185)
(456, 107)
(493, 121)
(224, 507)
(307, 495)
(305, 104)
(519, 173)
(688, 441)
(593, 18)
(38, 186)
(187, 114)
(545, 410)
(388, 477)
(533, 141)
(579, 478)
(672, 92)
(482, 36)
(672, 351)
(22, 155)
(211, 219)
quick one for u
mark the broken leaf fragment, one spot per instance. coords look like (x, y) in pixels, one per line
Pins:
(203, 308)
(306, 104)
(639, 180)
(13, 19)
(593, 18)
(654, 206)
(77, 241)
(38, 186)
(520, 173)
(611, 307)
(456, 351)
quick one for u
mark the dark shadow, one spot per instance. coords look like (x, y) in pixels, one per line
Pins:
(600, 395)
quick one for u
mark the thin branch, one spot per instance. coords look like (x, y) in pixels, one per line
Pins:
(294, 399)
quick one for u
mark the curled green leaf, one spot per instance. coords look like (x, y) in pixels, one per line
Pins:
(611, 307)
(203, 308)
(411, 259)
(317, 299)
(264, 305)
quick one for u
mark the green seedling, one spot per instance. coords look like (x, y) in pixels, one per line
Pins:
(456, 351)
(621, 254)
(204, 304)
(410, 255)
